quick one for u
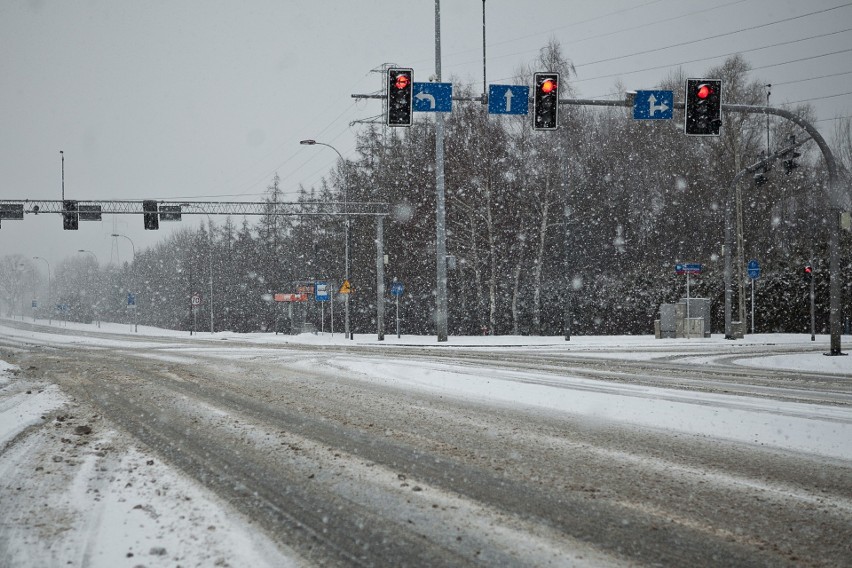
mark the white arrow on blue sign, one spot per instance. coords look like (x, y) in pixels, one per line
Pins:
(508, 99)
(432, 97)
(753, 269)
(653, 105)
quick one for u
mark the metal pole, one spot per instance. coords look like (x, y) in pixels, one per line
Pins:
(380, 278)
(346, 332)
(397, 317)
(97, 265)
(752, 306)
(49, 294)
(440, 205)
(687, 305)
(729, 223)
(62, 157)
(484, 88)
(812, 296)
(836, 202)
(566, 246)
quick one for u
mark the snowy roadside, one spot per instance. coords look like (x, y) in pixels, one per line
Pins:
(76, 492)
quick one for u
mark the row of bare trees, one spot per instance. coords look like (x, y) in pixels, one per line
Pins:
(574, 230)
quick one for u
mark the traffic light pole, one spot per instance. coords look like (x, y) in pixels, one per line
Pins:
(441, 315)
(838, 201)
(729, 240)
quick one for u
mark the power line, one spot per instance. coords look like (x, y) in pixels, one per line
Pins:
(694, 41)
(607, 34)
(666, 66)
(820, 98)
(835, 118)
(802, 59)
(539, 33)
(812, 78)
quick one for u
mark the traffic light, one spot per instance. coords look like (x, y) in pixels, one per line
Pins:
(790, 156)
(70, 216)
(400, 89)
(807, 274)
(152, 221)
(703, 107)
(546, 101)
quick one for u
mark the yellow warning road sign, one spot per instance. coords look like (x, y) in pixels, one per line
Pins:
(346, 288)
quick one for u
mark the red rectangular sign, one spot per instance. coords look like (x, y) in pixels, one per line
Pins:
(290, 297)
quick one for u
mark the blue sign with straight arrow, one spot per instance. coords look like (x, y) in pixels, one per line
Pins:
(653, 105)
(432, 97)
(508, 99)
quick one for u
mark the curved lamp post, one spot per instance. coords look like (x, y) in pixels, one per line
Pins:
(97, 264)
(131, 243)
(49, 294)
(347, 334)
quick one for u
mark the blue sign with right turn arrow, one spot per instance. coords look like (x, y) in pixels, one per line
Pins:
(653, 105)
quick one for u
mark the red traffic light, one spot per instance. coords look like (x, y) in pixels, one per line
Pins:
(704, 91)
(402, 81)
(808, 270)
(548, 86)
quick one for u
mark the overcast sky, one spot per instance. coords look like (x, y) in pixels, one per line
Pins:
(208, 99)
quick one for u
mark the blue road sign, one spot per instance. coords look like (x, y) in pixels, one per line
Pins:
(688, 268)
(131, 299)
(397, 289)
(432, 97)
(322, 292)
(653, 105)
(35, 304)
(508, 99)
(753, 269)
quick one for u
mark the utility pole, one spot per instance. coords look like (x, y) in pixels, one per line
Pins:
(440, 204)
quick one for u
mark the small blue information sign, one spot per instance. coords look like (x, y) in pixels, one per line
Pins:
(688, 268)
(432, 97)
(322, 292)
(397, 289)
(753, 269)
(131, 299)
(653, 105)
(508, 99)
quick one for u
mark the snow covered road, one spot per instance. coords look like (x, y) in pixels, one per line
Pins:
(603, 452)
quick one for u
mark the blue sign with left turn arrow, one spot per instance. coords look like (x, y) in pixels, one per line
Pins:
(432, 97)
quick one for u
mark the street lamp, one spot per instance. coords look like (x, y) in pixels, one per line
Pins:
(347, 334)
(49, 295)
(20, 270)
(210, 239)
(132, 278)
(131, 243)
(97, 264)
